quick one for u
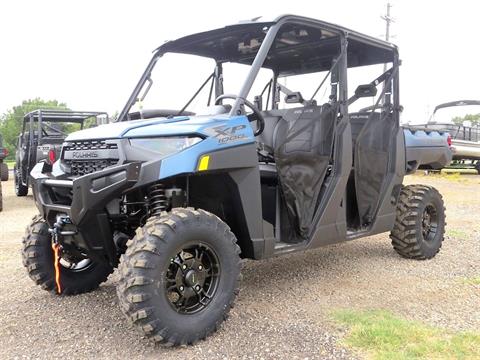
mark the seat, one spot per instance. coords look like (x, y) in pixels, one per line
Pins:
(266, 138)
(266, 144)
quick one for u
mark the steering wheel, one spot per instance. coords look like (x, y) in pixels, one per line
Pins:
(255, 116)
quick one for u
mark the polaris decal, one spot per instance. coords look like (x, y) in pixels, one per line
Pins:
(84, 154)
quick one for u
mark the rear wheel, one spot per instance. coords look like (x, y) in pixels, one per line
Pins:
(420, 223)
(20, 189)
(1, 197)
(179, 276)
(477, 166)
(76, 276)
(3, 172)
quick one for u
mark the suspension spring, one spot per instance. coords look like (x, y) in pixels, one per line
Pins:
(157, 201)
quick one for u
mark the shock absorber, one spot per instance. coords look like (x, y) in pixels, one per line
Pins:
(157, 201)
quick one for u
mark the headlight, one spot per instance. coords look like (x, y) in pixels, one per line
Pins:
(165, 146)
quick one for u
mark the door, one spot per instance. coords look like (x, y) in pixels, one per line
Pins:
(374, 158)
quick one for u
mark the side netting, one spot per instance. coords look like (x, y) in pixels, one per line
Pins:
(371, 160)
(304, 143)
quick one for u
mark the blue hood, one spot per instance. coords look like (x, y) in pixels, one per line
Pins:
(152, 127)
(218, 132)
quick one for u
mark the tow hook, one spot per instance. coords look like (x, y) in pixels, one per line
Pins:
(56, 230)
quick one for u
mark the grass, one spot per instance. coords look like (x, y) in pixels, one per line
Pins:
(10, 163)
(450, 176)
(457, 234)
(455, 176)
(457, 172)
(382, 335)
(472, 281)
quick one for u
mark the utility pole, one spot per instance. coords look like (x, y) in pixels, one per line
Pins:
(388, 20)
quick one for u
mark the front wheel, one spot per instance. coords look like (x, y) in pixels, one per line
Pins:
(179, 276)
(1, 197)
(420, 223)
(3, 172)
(76, 277)
(20, 189)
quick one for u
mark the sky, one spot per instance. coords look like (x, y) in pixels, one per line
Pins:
(90, 54)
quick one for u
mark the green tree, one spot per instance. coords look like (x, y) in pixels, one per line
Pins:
(473, 118)
(11, 122)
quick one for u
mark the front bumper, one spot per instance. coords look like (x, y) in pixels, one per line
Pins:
(90, 195)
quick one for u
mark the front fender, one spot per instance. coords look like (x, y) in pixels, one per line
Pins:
(235, 132)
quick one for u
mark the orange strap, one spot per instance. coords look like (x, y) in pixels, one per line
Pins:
(56, 266)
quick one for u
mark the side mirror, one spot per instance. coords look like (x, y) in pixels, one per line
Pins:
(294, 98)
(367, 90)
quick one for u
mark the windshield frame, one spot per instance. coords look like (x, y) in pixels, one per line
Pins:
(186, 44)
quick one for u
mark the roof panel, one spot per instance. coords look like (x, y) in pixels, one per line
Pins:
(302, 45)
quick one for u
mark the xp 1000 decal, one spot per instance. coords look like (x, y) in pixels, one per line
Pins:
(227, 134)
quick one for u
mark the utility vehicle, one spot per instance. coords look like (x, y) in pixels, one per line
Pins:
(178, 197)
(3, 165)
(3, 169)
(41, 139)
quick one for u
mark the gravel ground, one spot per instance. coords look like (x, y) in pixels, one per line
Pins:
(284, 304)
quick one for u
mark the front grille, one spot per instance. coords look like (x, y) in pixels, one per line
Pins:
(85, 157)
(88, 145)
(79, 168)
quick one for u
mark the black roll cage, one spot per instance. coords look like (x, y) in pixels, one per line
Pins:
(338, 80)
(38, 117)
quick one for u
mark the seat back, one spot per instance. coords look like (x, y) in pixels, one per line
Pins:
(303, 145)
(267, 137)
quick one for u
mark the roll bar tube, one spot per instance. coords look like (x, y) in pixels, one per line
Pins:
(144, 78)
(255, 68)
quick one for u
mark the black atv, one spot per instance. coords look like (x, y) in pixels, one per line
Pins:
(177, 198)
(3, 169)
(41, 139)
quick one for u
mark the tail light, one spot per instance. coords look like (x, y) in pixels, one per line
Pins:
(5, 152)
(51, 156)
(449, 140)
